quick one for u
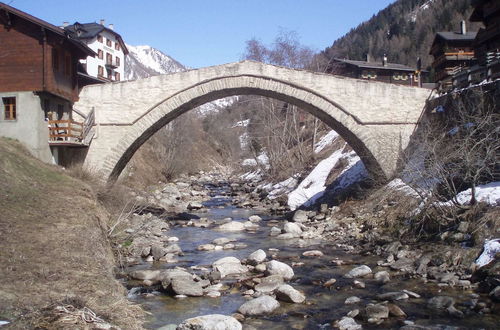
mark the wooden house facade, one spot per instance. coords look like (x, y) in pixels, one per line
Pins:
(487, 42)
(379, 71)
(453, 53)
(38, 82)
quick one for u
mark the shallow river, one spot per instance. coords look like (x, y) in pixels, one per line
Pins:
(323, 305)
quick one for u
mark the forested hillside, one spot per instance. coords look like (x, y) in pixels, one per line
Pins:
(404, 31)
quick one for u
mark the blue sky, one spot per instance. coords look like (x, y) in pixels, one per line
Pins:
(201, 33)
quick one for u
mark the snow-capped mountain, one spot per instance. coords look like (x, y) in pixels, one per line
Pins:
(146, 61)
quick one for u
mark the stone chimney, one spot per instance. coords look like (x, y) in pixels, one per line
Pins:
(102, 21)
(368, 57)
(463, 27)
(111, 26)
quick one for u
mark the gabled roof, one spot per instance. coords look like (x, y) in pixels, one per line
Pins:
(91, 30)
(456, 36)
(376, 65)
(453, 37)
(8, 11)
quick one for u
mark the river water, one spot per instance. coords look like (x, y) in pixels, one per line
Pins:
(323, 305)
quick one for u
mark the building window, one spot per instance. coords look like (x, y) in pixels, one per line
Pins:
(117, 76)
(117, 46)
(109, 58)
(366, 74)
(99, 38)
(55, 59)
(67, 65)
(400, 76)
(100, 54)
(117, 61)
(100, 71)
(9, 106)
(109, 43)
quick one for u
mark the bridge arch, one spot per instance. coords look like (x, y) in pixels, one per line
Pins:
(377, 137)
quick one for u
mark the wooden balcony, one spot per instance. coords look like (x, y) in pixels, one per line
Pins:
(72, 133)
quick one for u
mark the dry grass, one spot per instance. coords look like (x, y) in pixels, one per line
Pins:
(54, 245)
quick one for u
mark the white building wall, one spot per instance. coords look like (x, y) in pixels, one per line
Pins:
(93, 63)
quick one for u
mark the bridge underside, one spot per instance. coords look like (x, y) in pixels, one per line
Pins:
(375, 119)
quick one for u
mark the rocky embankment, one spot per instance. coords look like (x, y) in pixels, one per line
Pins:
(372, 265)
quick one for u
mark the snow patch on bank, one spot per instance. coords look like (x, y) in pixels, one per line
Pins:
(487, 193)
(313, 186)
(325, 141)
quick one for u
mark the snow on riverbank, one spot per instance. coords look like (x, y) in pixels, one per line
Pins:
(487, 193)
(314, 185)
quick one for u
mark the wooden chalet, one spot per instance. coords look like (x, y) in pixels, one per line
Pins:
(379, 71)
(453, 52)
(487, 42)
(39, 83)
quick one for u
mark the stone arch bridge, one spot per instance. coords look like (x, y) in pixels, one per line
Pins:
(376, 119)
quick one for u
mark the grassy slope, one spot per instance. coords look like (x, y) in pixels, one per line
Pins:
(53, 248)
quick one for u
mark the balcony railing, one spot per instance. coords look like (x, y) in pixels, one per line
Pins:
(65, 132)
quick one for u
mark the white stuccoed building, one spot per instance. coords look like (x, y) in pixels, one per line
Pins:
(109, 64)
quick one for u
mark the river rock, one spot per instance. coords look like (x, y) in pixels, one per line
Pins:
(150, 275)
(287, 293)
(210, 322)
(313, 253)
(440, 302)
(275, 267)
(300, 216)
(194, 206)
(173, 248)
(352, 300)
(186, 286)
(360, 271)
(382, 277)
(275, 231)
(250, 225)
(393, 296)
(258, 306)
(206, 247)
(348, 323)
(254, 218)
(229, 266)
(256, 257)
(292, 228)
(377, 311)
(269, 284)
(222, 241)
(286, 236)
(404, 265)
(395, 310)
(232, 226)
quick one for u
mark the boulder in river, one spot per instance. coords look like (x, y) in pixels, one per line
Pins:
(393, 296)
(348, 323)
(256, 257)
(194, 206)
(229, 266)
(359, 271)
(232, 226)
(275, 267)
(287, 293)
(292, 228)
(259, 306)
(254, 218)
(269, 284)
(300, 216)
(378, 311)
(210, 322)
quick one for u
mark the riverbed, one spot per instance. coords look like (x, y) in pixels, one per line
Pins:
(325, 302)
